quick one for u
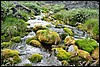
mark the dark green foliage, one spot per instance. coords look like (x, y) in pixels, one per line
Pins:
(16, 39)
(92, 27)
(76, 15)
(12, 27)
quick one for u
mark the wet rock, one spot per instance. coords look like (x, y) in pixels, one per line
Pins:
(85, 55)
(10, 56)
(86, 44)
(35, 43)
(16, 39)
(69, 31)
(38, 27)
(35, 58)
(69, 40)
(48, 36)
(95, 53)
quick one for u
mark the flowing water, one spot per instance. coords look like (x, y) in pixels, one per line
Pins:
(48, 59)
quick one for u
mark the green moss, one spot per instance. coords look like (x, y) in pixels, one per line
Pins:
(35, 43)
(29, 39)
(48, 36)
(11, 56)
(16, 39)
(27, 64)
(6, 44)
(35, 58)
(87, 44)
(62, 54)
(69, 31)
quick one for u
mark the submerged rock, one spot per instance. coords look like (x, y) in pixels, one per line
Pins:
(35, 43)
(11, 56)
(35, 58)
(86, 44)
(48, 36)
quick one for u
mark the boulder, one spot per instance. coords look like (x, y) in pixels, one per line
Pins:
(11, 56)
(48, 36)
(35, 43)
(35, 58)
(61, 53)
(87, 44)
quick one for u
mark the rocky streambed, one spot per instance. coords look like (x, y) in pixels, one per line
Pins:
(48, 56)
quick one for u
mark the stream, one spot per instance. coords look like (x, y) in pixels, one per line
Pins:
(48, 59)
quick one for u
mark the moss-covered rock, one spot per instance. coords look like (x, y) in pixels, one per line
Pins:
(62, 54)
(35, 58)
(38, 27)
(11, 56)
(86, 44)
(35, 43)
(31, 38)
(16, 39)
(48, 36)
(85, 55)
(69, 31)
(69, 40)
(95, 53)
(73, 49)
(6, 44)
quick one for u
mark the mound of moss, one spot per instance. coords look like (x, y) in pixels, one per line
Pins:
(6, 44)
(35, 58)
(10, 57)
(87, 44)
(35, 43)
(48, 36)
(69, 31)
(62, 54)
